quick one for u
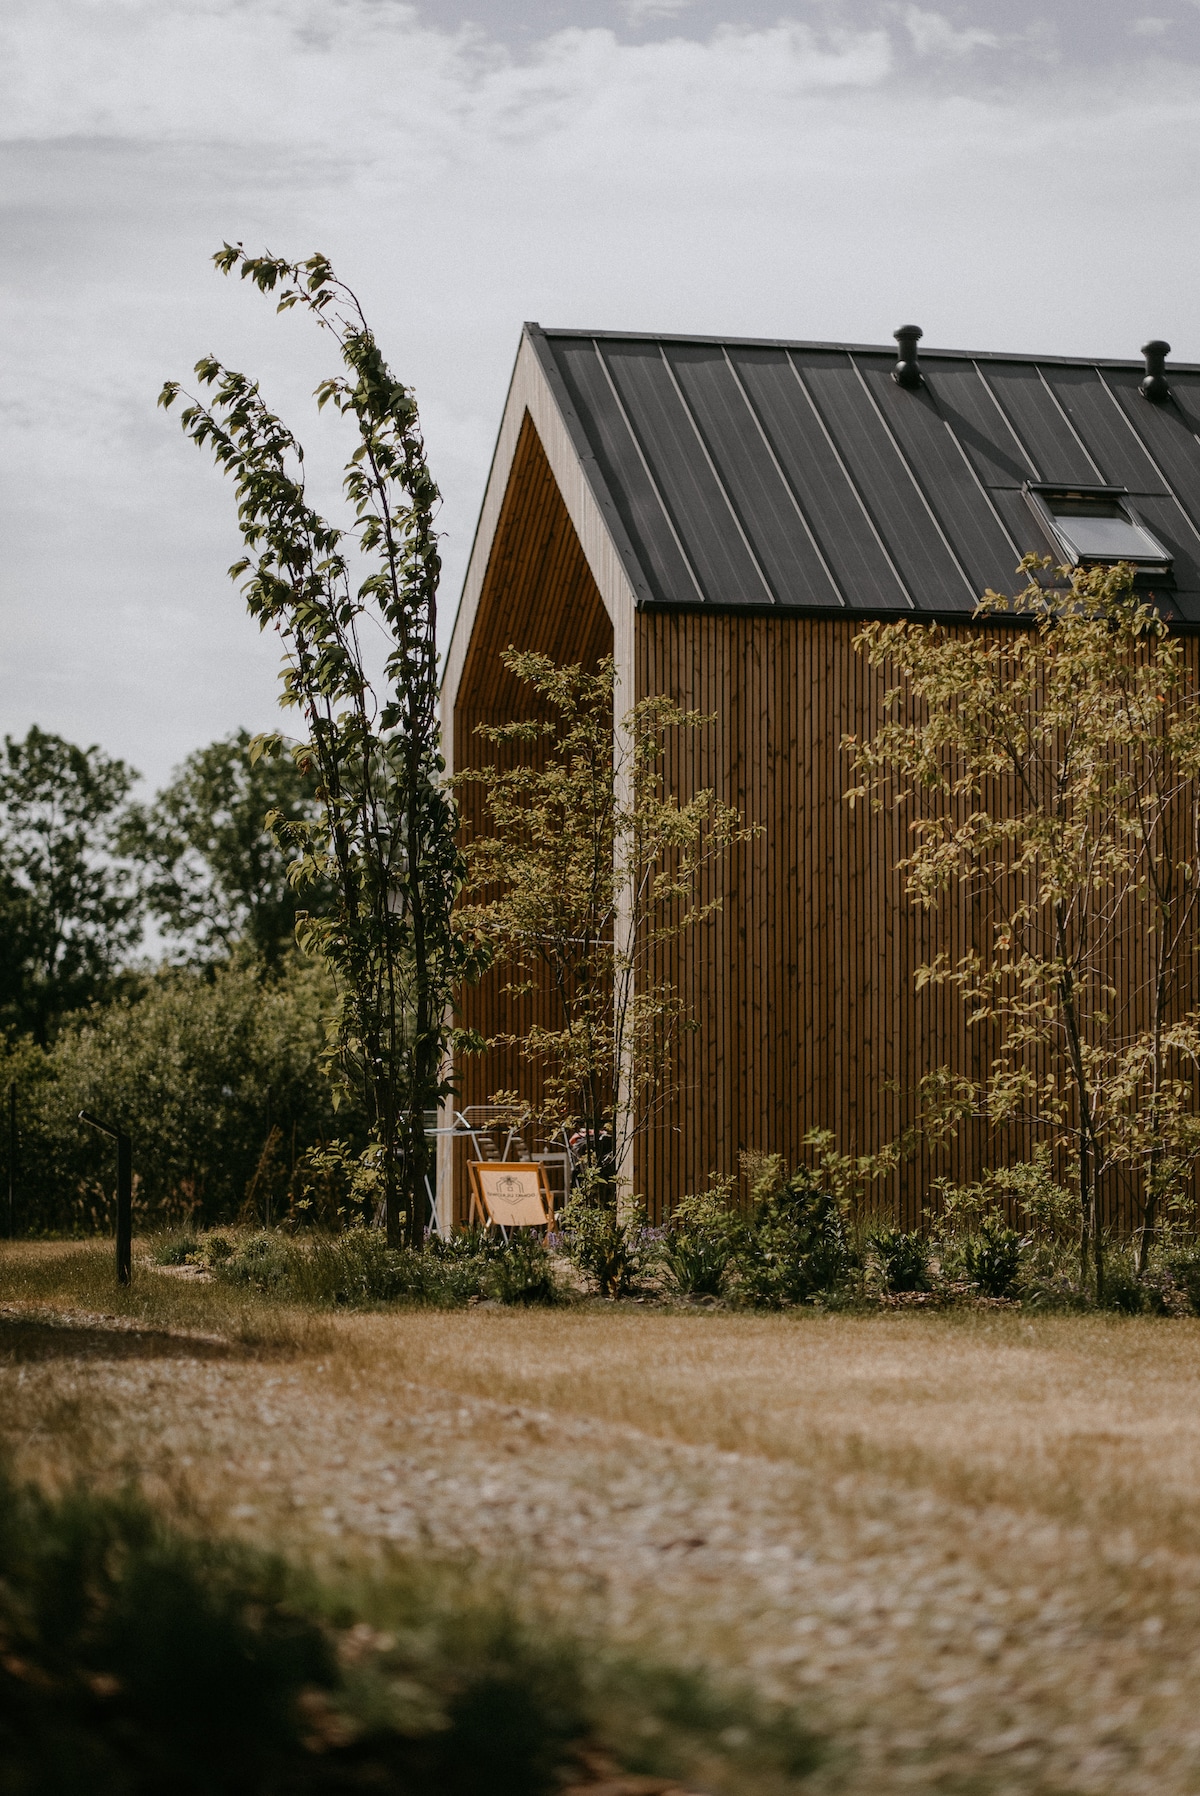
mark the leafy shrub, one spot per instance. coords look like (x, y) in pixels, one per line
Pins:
(138, 1659)
(1050, 1211)
(214, 1250)
(358, 1269)
(521, 1273)
(795, 1244)
(992, 1258)
(1164, 1289)
(1028, 1190)
(1182, 1266)
(903, 1258)
(188, 1249)
(702, 1239)
(334, 1185)
(606, 1246)
(177, 1250)
(1123, 1289)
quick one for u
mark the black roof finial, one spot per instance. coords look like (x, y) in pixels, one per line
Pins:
(1154, 387)
(907, 372)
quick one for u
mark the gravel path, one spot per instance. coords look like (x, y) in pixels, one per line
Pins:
(985, 1651)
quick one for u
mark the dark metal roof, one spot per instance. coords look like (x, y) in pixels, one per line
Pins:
(774, 475)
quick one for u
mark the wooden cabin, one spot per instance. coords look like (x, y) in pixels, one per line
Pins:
(722, 515)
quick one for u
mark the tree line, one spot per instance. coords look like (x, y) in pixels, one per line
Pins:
(209, 1050)
(84, 868)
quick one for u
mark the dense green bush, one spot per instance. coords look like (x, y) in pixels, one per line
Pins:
(214, 1073)
(1181, 1265)
(992, 1258)
(522, 1272)
(795, 1244)
(137, 1659)
(702, 1240)
(903, 1257)
(1124, 1290)
(607, 1246)
(358, 1269)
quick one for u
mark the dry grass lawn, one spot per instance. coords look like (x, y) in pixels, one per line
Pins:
(968, 1545)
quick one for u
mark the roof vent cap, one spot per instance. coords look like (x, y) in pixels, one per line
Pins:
(907, 372)
(1154, 387)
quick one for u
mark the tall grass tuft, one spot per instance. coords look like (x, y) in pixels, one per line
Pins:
(358, 1270)
(138, 1659)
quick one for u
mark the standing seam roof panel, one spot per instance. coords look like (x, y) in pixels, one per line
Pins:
(1120, 455)
(1176, 451)
(1044, 433)
(748, 474)
(1171, 527)
(696, 500)
(616, 453)
(719, 471)
(801, 510)
(1030, 536)
(963, 511)
(830, 502)
(1185, 398)
(930, 572)
(969, 409)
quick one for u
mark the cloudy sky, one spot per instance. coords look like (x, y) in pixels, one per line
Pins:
(1010, 174)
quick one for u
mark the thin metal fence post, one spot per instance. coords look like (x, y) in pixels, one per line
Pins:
(267, 1180)
(124, 1194)
(124, 1208)
(12, 1160)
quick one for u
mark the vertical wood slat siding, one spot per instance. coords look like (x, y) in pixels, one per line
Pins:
(802, 985)
(539, 595)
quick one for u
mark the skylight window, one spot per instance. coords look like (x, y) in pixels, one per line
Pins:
(1096, 524)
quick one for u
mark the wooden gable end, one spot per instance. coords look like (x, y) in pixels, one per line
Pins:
(538, 593)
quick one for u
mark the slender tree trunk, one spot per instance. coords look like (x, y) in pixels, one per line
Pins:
(1097, 1229)
(1085, 1214)
(1090, 1235)
(393, 1215)
(421, 1057)
(1154, 1168)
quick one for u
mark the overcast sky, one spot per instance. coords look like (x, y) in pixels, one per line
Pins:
(1016, 175)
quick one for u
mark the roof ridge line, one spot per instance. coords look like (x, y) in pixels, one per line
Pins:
(955, 355)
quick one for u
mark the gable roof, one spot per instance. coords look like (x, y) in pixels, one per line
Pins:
(735, 473)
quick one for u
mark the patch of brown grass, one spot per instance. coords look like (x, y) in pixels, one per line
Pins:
(972, 1542)
(1088, 1419)
(80, 1277)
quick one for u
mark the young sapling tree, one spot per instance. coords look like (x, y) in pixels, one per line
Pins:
(582, 867)
(386, 839)
(1051, 767)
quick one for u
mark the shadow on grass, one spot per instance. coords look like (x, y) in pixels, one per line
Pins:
(25, 1339)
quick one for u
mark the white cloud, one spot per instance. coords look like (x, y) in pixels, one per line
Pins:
(933, 35)
(776, 181)
(144, 71)
(639, 13)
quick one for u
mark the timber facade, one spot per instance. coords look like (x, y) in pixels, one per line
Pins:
(722, 517)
